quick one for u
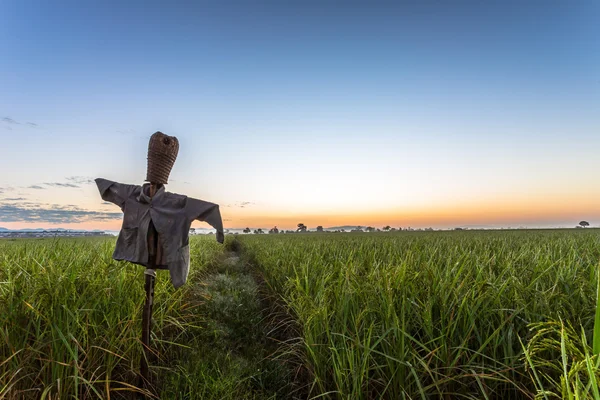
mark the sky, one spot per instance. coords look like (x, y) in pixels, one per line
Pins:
(422, 114)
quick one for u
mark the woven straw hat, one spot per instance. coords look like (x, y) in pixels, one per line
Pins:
(162, 152)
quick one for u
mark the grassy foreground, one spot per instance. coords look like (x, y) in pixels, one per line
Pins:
(70, 326)
(401, 315)
(70, 318)
(504, 314)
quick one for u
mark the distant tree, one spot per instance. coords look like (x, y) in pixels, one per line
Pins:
(387, 228)
(258, 231)
(247, 230)
(301, 228)
(192, 231)
(393, 230)
(584, 224)
(370, 229)
(319, 228)
(274, 230)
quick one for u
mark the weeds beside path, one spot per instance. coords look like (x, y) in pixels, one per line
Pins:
(232, 355)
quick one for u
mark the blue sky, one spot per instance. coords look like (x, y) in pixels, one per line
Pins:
(421, 114)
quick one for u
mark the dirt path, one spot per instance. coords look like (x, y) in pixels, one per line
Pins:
(237, 356)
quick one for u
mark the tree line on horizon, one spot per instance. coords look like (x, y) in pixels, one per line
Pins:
(302, 228)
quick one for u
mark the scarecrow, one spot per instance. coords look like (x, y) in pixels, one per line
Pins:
(156, 225)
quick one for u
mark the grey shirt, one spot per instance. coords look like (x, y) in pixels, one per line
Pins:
(171, 214)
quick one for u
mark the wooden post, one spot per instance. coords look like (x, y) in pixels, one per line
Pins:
(150, 275)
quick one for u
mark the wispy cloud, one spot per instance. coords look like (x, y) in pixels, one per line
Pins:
(72, 182)
(14, 199)
(52, 213)
(9, 120)
(60, 184)
(241, 204)
(81, 180)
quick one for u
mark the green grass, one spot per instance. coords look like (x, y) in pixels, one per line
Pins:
(70, 317)
(230, 354)
(70, 326)
(414, 315)
(443, 314)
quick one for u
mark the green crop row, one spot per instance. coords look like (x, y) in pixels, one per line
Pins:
(474, 314)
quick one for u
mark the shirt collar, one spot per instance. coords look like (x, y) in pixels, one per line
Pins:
(144, 196)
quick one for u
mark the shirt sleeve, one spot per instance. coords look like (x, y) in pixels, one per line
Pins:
(116, 193)
(207, 212)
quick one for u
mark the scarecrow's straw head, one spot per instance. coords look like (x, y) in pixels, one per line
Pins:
(162, 152)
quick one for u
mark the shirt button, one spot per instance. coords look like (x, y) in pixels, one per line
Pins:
(150, 205)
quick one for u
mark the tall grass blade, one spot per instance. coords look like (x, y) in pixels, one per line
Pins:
(596, 337)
